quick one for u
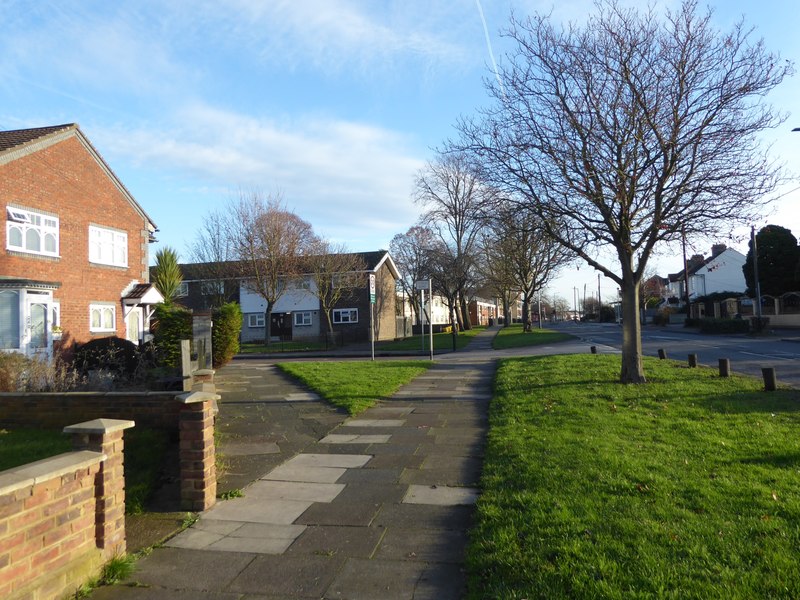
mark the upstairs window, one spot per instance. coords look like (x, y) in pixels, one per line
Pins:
(183, 290)
(345, 315)
(31, 231)
(108, 246)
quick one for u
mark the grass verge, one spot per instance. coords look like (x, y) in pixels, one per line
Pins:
(686, 487)
(513, 337)
(355, 385)
(441, 341)
(278, 347)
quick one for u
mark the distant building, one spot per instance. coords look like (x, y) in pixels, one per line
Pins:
(721, 272)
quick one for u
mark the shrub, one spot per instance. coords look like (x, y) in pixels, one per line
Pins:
(19, 373)
(112, 354)
(692, 322)
(225, 333)
(724, 326)
(662, 317)
(172, 324)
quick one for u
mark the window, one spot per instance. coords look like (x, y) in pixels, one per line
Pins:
(108, 246)
(9, 319)
(102, 317)
(302, 319)
(183, 289)
(255, 320)
(345, 315)
(32, 232)
(212, 287)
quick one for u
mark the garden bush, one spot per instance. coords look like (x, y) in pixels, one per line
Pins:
(112, 354)
(19, 373)
(724, 326)
(172, 324)
(225, 333)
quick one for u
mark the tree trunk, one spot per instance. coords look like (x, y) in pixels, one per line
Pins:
(632, 369)
(506, 313)
(526, 314)
(465, 314)
(268, 324)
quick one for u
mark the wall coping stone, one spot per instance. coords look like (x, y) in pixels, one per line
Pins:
(100, 426)
(30, 474)
(204, 372)
(192, 397)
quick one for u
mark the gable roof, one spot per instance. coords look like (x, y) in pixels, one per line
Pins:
(693, 269)
(15, 144)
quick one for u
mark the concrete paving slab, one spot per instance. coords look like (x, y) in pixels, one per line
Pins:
(250, 544)
(391, 461)
(338, 438)
(363, 579)
(185, 569)
(293, 490)
(338, 541)
(268, 530)
(347, 461)
(193, 538)
(389, 412)
(372, 475)
(358, 513)
(287, 472)
(442, 581)
(302, 397)
(440, 477)
(374, 423)
(395, 449)
(424, 516)
(440, 495)
(288, 576)
(122, 592)
(428, 545)
(256, 511)
(218, 527)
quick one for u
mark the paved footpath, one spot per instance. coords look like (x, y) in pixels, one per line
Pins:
(375, 507)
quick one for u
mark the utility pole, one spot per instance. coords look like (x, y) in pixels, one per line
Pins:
(755, 272)
(599, 303)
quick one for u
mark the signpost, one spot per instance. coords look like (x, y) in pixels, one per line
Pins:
(372, 313)
(422, 285)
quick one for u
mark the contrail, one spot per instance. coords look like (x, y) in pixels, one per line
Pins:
(489, 46)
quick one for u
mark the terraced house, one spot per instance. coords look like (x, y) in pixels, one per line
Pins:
(74, 262)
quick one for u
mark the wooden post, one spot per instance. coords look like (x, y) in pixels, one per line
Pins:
(770, 379)
(662, 354)
(692, 361)
(724, 367)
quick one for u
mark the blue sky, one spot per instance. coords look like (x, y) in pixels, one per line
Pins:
(335, 104)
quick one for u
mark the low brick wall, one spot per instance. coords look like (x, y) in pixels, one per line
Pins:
(56, 410)
(63, 517)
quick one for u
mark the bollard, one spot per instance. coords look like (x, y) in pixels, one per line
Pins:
(770, 380)
(662, 354)
(593, 349)
(692, 361)
(724, 367)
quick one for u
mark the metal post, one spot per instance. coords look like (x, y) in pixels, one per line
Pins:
(430, 316)
(685, 270)
(755, 274)
(372, 328)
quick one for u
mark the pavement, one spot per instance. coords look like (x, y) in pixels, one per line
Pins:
(373, 507)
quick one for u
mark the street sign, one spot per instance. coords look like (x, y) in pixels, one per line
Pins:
(423, 284)
(372, 288)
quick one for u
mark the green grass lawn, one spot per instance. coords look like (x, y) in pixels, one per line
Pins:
(355, 385)
(441, 341)
(513, 337)
(291, 346)
(686, 487)
(144, 454)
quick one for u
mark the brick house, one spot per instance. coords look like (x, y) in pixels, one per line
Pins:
(297, 314)
(74, 264)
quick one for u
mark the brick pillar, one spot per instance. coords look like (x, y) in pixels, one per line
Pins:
(105, 435)
(197, 456)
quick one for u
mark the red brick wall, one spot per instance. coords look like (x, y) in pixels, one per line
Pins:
(47, 534)
(65, 179)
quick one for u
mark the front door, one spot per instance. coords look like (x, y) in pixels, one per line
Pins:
(36, 340)
(281, 326)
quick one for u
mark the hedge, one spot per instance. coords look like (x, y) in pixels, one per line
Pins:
(225, 333)
(173, 324)
(724, 326)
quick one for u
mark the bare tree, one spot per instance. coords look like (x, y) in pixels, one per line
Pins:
(496, 270)
(457, 204)
(336, 274)
(532, 256)
(213, 255)
(270, 242)
(628, 129)
(410, 252)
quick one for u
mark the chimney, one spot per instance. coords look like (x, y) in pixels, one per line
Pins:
(695, 261)
(718, 249)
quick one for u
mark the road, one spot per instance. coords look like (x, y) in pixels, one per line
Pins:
(747, 354)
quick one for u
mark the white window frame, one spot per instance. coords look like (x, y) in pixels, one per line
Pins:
(108, 246)
(103, 309)
(183, 290)
(352, 316)
(25, 222)
(255, 320)
(303, 318)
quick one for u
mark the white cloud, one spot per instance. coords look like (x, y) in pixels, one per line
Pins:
(352, 181)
